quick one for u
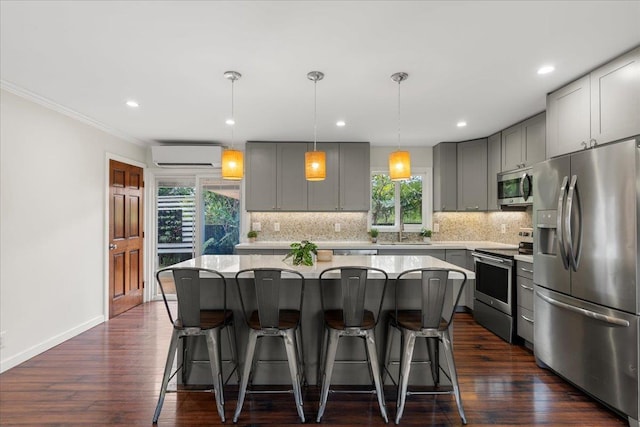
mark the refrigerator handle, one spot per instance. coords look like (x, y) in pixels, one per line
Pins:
(574, 240)
(612, 320)
(559, 224)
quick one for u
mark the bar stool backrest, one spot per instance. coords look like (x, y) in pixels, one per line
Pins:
(188, 282)
(353, 288)
(267, 284)
(433, 287)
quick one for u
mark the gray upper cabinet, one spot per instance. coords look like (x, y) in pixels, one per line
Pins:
(524, 144)
(291, 194)
(472, 168)
(568, 122)
(355, 176)
(445, 177)
(601, 107)
(260, 185)
(325, 195)
(276, 181)
(494, 159)
(615, 99)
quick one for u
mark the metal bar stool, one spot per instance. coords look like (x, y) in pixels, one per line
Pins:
(429, 320)
(193, 321)
(268, 289)
(349, 319)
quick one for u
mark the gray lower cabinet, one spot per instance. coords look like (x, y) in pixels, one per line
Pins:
(256, 251)
(494, 160)
(601, 107)
(524, 144)
(445, 177)
(524, 297)
(436, 253)
(472, 168)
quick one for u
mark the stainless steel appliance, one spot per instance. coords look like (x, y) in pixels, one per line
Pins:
(495, 296)
(515, 188)
(587, 298)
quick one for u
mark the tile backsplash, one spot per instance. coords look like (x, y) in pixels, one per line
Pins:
(321, 226)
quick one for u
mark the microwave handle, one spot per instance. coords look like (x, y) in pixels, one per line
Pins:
(526, 177)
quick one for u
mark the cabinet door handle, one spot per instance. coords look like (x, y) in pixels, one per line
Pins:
(528, 288)
(584, 144)
(526, 270)
(473, 208)
(593, 142)
(526, 318)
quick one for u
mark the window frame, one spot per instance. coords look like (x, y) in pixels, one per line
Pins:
(427, 202)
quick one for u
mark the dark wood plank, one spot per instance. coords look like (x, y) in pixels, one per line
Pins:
(111, 375)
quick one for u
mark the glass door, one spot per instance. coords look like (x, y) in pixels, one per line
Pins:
(220, 209)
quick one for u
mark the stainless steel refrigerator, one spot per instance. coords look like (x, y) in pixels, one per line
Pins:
(587, 299)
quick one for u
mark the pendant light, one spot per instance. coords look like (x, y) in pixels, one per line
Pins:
(399, 161)
(315, 162)
(232, 160)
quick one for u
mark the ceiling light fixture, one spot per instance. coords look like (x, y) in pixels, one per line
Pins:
(399, 161)
(341, 123)
(461, 124)
(546, 69)
(315, 162)
(133, 104)
(232, 160)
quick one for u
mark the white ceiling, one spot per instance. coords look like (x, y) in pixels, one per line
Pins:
(467, 60)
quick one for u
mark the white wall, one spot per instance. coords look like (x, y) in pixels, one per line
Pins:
(52, 222)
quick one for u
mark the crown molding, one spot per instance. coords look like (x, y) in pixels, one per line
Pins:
(47, 103)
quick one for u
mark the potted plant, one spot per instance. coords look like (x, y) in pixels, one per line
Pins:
(302, 253)
(426, 235)
(252, 236)
(374, 235)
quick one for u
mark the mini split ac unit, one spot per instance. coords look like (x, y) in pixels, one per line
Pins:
(186, 156)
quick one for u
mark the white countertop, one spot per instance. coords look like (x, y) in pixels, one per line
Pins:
(393, 265)
(341, 244)
(525, 258)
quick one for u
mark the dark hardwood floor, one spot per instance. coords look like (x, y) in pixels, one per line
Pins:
(110, 375)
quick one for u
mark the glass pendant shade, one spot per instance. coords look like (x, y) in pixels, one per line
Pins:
(399, 165)
(315, 165)
(232, 165)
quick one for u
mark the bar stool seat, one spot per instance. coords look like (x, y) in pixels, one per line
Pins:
(334, 320)
(287, 319)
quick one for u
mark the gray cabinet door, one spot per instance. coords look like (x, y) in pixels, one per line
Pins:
(325, 195)
(568, 118)
(355, 177)
(261, 176)
(472, 169)
(534, 139)
(456, 257)
(494, 159)
(615, 99)
(512, 148)
(445, 177)
(291, 194)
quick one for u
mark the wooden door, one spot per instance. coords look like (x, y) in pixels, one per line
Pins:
(125, 237)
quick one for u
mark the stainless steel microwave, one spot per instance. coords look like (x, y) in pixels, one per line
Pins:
(515, 188)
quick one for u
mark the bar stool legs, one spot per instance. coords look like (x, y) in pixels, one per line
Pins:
(173, 346)
(329, 360)
(246, 371)
(448, 351)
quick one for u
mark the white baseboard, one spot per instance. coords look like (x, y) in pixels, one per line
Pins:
(10, 362)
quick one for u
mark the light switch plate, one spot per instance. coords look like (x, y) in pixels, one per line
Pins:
(503, 228)
(256, 226)
(336, 227)
(276, 226)
(436, 227)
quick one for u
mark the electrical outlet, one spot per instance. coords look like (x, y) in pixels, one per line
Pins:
(503, 228)
(436, 227)
(276, 226)
(3, 336)
(336, 227)
(256, 226)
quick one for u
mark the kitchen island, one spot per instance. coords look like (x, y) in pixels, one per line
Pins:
(277, 373)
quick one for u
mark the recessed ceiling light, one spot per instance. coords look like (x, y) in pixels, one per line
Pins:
(230, 122)
(546, 69)
(461, 124)
(340, 123)
(133, 104)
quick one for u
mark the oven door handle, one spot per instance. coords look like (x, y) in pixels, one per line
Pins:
(488, 258)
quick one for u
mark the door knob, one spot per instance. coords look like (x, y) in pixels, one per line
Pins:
(113, 246)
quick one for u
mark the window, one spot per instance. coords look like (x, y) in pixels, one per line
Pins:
(405, 204)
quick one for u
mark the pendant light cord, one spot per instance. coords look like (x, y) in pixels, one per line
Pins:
(232, 114)
(315, 116)
(399, 114)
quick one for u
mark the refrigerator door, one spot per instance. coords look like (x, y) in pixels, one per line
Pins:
(603, 229)
(549, 266)
(594, 347)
